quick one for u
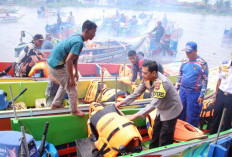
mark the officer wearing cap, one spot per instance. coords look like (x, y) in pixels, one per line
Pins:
(192, 83)
(223, 97)
(28, 57)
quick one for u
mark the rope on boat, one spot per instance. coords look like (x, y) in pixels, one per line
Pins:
(25, 126)
(31, 112)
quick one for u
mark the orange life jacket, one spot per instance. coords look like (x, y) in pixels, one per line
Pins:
(206, 115)
(38, 67)
(183, 130)
(112, 131)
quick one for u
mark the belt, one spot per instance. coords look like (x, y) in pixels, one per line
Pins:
(59, 66)
(225, 93)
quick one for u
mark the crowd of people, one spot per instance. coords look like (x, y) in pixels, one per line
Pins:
(183, 101)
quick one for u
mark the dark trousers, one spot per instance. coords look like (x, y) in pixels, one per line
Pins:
(222, 101)
(163, 132)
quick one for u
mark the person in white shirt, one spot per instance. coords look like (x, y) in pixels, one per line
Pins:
(223, 97)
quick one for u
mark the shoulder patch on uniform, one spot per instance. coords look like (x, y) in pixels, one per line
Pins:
(159, 91)
(225, 62)
(185, 60)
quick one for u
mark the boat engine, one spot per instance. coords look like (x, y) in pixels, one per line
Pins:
(11, 145)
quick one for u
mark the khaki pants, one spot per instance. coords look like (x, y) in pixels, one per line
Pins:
(62, 77)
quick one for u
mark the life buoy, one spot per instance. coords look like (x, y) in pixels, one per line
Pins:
(183, 130)
(111, 131)
(38, 67)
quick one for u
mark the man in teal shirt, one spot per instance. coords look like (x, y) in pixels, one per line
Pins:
(61, 61)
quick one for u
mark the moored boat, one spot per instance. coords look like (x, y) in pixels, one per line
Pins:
(227, 34)
(65, 129)
(9, 10)
(65, 30)
(10, 19)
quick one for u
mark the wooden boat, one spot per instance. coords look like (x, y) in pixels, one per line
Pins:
(65, 129)
(94, 70)
(125, 28)
(9, 10)
(100, 52)
(36, 90)
(60, 32)
(63, 134)
(10, 19)
(168, 43)
(227, 34)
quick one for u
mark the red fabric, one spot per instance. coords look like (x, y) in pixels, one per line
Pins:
(141, 63)
(112, 68)
(4, 65)
(87, 69)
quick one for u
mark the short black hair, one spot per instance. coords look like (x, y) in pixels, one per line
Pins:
(141, 53)
(131, 53)
(89, 25)
(152, 65)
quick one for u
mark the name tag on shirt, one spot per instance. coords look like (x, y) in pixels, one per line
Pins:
(159, 91)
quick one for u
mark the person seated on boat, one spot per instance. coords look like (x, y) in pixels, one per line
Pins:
(63, 60)
(28, 57)
(137, 62)
(41, 11)
(122, 18)
(70, 18)
(192, 84)
(133, 21)
(164, 97)
(159, 32)
(47, 43)
(223, 97)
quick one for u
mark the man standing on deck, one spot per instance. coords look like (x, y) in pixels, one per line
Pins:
(164, 97)
(61, 61)
(192, 83)
(223, 97)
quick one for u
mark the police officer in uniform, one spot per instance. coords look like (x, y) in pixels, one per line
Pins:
(223, 97)
(164, 97)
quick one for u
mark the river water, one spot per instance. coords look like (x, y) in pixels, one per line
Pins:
(206, 30)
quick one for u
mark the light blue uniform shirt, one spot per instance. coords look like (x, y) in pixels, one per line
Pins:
(73, 44)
